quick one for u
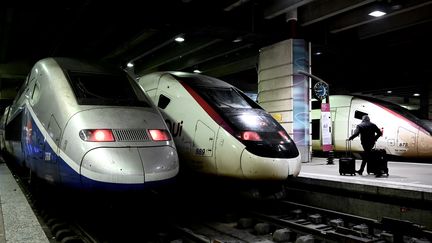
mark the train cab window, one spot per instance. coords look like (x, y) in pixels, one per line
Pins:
(163, 101)
(35, 94)
(359, 114)
(105, 89)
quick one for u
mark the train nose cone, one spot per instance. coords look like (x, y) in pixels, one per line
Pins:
(131, 165)
(159, 163)
(256, 167)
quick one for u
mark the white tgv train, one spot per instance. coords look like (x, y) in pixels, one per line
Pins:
(220, 131)
(404, 135)
(83, 125)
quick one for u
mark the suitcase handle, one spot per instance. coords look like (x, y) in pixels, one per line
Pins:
(348, 148)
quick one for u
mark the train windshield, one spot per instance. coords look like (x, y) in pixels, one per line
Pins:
(106, 89)
(257, 129)
(225, 98)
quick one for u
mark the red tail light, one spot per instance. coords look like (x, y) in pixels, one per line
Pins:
(97, 135)
(250, 136)
(159, 135)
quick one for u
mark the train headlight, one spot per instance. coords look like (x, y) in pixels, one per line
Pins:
(250, 136)
(97, 135)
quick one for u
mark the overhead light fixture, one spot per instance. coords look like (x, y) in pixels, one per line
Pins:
(196, 71)
(389, 91)
(238, 39)
(179, 39)
(416, 94)
(129, 64)
(318, 53)
(377, 13)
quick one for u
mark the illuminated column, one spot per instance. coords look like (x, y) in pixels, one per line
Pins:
(286, 94)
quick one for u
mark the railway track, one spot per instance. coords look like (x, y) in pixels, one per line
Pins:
(283, 221)
(204, 218)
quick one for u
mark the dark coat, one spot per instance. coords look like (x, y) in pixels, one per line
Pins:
(369, 134)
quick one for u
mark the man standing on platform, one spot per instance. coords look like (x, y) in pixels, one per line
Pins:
(369, 134)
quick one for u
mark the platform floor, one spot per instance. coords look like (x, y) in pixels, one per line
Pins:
(18, 222)
(402, 175)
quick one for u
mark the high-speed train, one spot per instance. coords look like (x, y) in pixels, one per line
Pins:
(219, 131)
(404, 135)
(88, 126)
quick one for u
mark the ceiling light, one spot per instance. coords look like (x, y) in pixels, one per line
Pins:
(238, 39)
(318, 53)
(179, 39)
(377, 13)
(196, 71)
(389, 91)
(129, 65)
(416, 94)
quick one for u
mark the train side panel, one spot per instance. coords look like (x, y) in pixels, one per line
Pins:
(340, 110)
(399, 136)
(424, 144)
(403, 135)
(194, 134)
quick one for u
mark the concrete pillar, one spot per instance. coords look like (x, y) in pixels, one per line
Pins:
(286, 94)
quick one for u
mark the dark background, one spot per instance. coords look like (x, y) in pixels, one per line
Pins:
(359, 54)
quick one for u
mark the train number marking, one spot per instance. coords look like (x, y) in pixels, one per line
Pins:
(403, 145)
(200, 151)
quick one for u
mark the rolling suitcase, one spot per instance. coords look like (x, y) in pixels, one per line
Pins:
(377, 162)
(347, 163)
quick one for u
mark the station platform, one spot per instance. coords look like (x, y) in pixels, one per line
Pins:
(406, 194)
(404, 177)
(18, 223)
(412, 181)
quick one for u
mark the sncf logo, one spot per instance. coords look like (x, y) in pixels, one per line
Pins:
(175, 128)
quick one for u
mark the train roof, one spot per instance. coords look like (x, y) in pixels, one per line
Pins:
(200, 80)
(76, 65)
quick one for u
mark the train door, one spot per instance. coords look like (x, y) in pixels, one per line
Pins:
(406, 142)
(203, 147)
(340, 127)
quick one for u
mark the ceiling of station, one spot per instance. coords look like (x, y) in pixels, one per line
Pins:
(359, 53)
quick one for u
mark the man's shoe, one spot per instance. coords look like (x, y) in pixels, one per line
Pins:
(378, 175)
(359, 172)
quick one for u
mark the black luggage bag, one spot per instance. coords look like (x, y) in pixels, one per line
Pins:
(377, 163)
(347, 163)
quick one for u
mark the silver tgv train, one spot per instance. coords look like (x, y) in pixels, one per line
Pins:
(220, 131)
(85, 126)
(405, 136)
